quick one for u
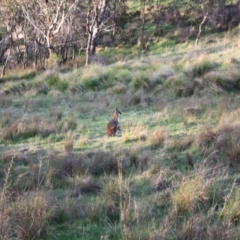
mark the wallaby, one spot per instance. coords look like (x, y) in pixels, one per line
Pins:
(113, 126)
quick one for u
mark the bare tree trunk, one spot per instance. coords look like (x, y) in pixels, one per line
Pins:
(20, 53)
(90, 49)
(25, 56)
(6, 62)
(8, 57)
(36, 52)
(200, 29)
(94, 21)
(4, 45)
(92, 37)
(158, 20)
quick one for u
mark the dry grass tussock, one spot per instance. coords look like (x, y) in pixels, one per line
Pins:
(26, 218)
(28, 128)
(190, 115)
(157, 138)
(201, 64)
(188, 192)
(131, 98)
(134, 132)
(203, 75)
(162, 183)
(230, 213)
(197, 226)
(85, 184)
(111, 188)
(179, 144)
(62, 166)
(31, 223)
(99, 162)
(140, 158)
(231, 118)
(68, 142)
(220, 81)
(136, 98)
(28, 178)
(83, 139)
(225, 140)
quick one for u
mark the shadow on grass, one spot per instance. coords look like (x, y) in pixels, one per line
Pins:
(26, 76)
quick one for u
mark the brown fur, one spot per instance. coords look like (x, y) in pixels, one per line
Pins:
(113, 124)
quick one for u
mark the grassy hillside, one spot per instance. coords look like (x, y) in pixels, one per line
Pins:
(172, 173)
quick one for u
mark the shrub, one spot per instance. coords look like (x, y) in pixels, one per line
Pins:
(91, 83)
(52, 79)
(140, 80)
(91, 77)
(62, 86)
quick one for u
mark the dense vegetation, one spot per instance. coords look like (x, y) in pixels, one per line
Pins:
(172, 173)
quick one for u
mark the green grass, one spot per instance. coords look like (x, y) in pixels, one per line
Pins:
(177, 101)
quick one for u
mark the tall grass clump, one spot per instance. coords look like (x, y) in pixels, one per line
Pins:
(200, 67)
(188, 192)
(26, 128)
(180, 85)
(134, 132)
(140, 80)
(93, 77)
(224, 140)
(27, 216)
(230, 213)
(68, 142)
(5, 210)
(52, 79)
(83, 139)
(124, 199)
(221, 81)
(70, 124)
(118, 73)
(157, 138)
(62, 85)
(31, 215)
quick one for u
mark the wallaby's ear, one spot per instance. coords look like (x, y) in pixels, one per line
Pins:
(117, 110)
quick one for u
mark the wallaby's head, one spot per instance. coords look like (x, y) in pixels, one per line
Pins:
(118, 111)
